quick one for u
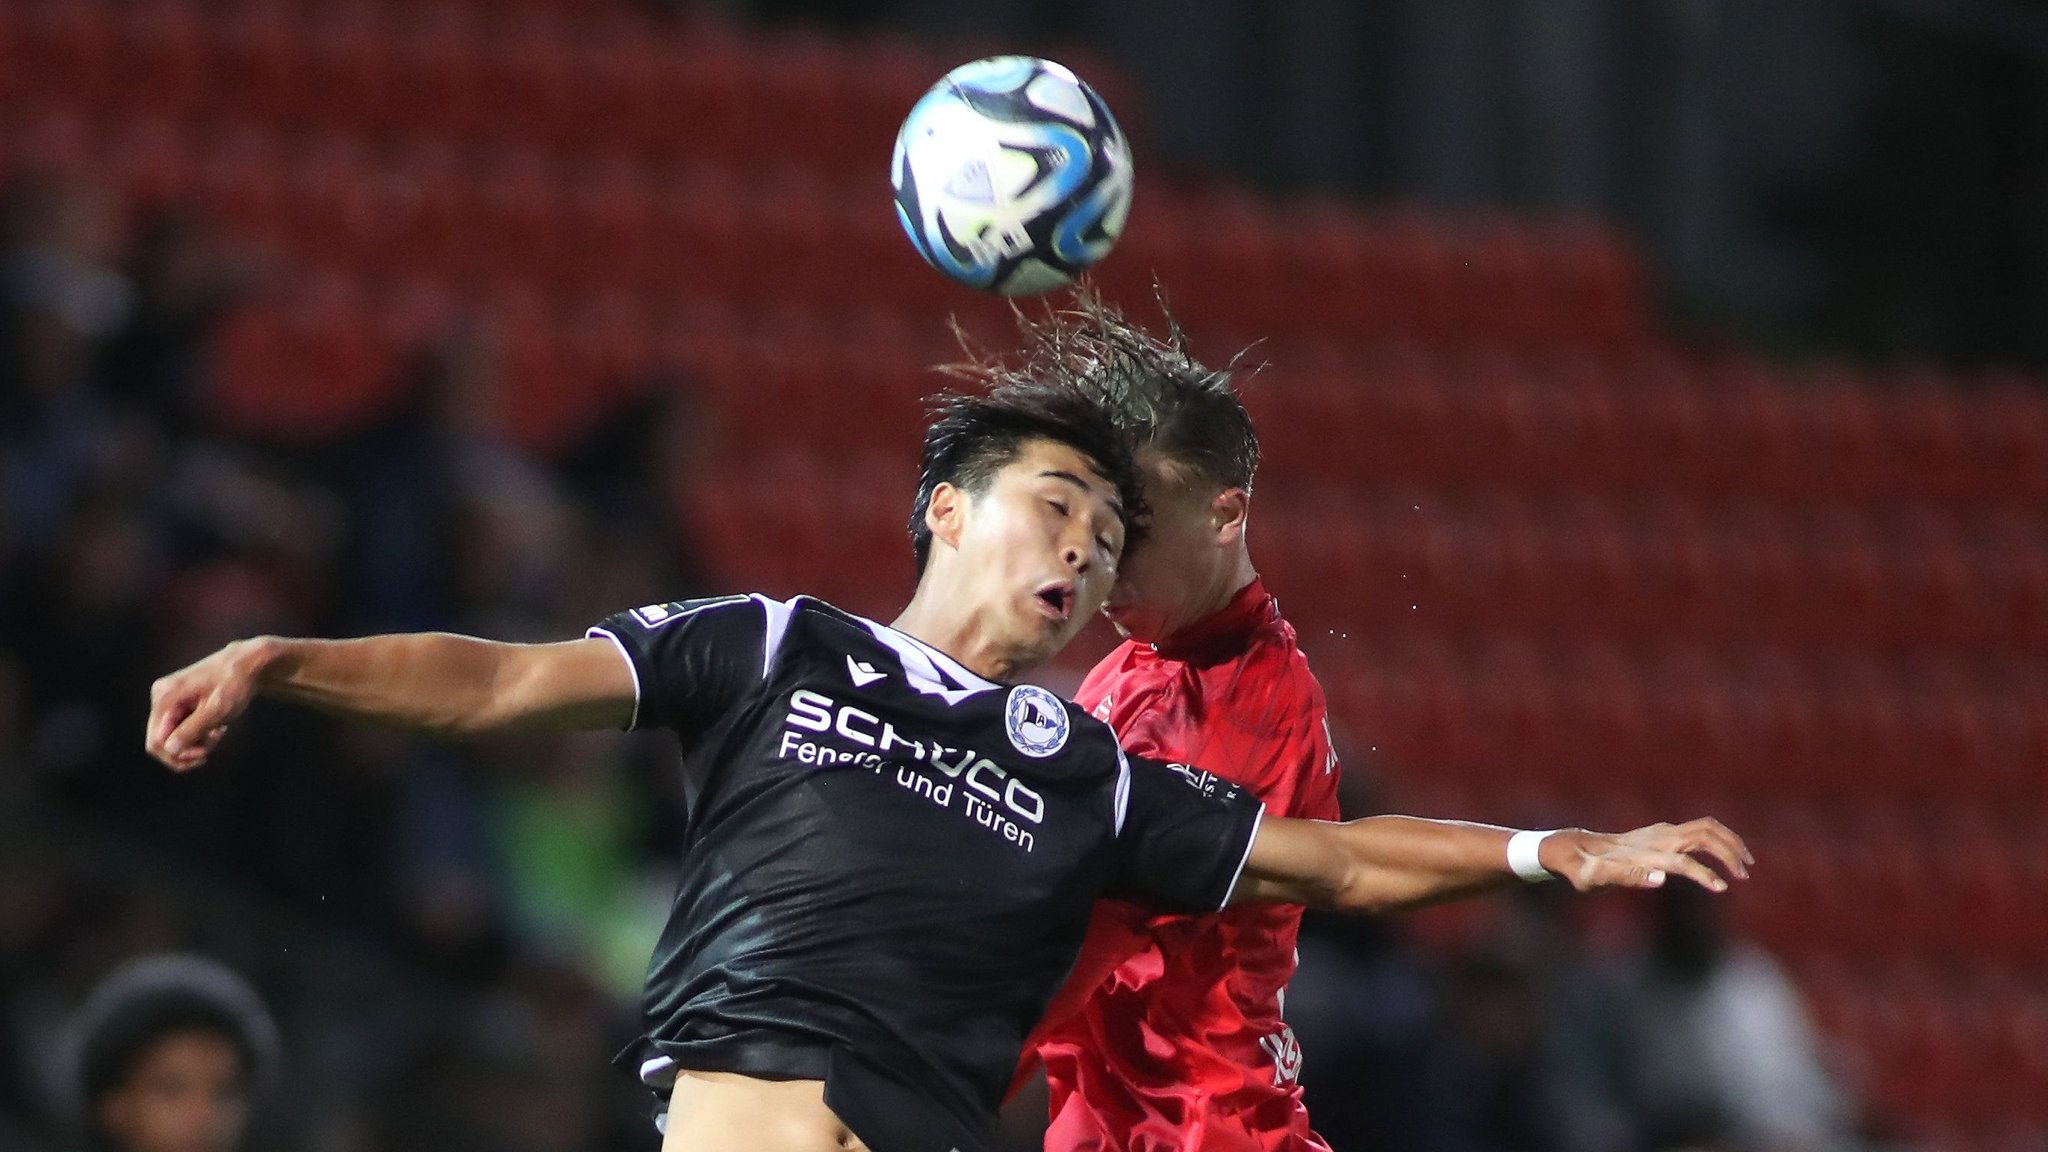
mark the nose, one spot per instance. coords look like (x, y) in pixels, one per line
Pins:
(1076, 557)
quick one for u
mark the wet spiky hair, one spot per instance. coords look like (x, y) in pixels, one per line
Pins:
(1160, 396)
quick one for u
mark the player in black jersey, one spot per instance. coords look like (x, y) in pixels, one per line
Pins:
(891, 849)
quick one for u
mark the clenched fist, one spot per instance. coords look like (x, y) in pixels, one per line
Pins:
(189, 709)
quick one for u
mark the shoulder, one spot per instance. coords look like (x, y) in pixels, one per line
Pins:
(1275, 656)
(1268, 672)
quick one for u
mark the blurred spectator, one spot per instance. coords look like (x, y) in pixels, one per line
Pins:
(170, 1054)
(632, 476)
(569, 828)
(1493, 1065)
(59, 296)
(527, 1071)
(1702, 1041)
(432, 492)
(1366, 1010)
(183, 286)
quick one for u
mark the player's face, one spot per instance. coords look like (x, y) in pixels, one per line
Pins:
(1168, 581)
(1040, 548)
(185, 1095)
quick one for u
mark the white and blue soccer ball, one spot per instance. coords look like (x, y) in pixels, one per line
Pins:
(1011, 176)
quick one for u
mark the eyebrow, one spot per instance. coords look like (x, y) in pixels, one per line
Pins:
(1076, 481)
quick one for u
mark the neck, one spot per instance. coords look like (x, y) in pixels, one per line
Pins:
(1231, 578)
(945, 623)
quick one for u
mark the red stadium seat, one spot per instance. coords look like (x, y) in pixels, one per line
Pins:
(411, 312)
(260, 64)
(606, 216)
(1321, 250)
(151, 158)
(438, 70)
(2009, 428)
(350, 80)
(241, 179)
(526, 83)
(1757, 426)
(619, 99)
(543, 400)
(164, 65)
(510, 223)
(72, 45)
(608, 342)
(1927, 437)
(12, 74)
(702, 231)
(318, 332)
(1845, 439)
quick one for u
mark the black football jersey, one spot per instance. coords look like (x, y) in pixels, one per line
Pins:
(888, 861)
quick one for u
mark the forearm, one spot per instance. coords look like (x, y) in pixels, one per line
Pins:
(429, 681)
(1386, 863)
(1400, 862)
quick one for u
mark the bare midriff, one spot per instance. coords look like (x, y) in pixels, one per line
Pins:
(727, 1112)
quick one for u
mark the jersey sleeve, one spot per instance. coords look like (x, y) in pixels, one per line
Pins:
(1183, 836)
(693, 660)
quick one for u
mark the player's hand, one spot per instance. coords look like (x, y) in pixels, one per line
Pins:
(1647, 857)
(189, 709)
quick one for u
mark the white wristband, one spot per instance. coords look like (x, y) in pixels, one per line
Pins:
(1523, 861)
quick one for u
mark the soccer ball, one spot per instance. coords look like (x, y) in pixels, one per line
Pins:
(1011, 176)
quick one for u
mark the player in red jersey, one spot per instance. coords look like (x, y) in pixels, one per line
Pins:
(1169, 1034)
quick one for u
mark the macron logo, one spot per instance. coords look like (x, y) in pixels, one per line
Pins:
(863, 673)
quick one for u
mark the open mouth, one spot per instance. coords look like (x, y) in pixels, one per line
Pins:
(1058, 600)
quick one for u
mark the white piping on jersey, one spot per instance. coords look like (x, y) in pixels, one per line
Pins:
(1257, 821)
(631, 668)
(929, 670)
(1123, 787)
(778, 612)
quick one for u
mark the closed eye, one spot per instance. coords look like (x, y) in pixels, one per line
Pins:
(1059, 506)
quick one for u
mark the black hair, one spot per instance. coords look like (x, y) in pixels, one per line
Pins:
(974, 436)
(1161, 397)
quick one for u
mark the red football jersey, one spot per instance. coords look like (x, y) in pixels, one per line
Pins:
(1168, 1034)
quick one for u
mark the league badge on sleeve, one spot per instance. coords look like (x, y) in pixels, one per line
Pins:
(655, 615)
(1036, 720)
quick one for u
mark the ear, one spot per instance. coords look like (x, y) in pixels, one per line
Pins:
(946, 514)
(1228, 513)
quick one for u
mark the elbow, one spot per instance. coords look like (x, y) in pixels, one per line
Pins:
(463, 725)
(493, 713)
(464, 715)
(1361, 890)
(1362, 898)
(499, 698)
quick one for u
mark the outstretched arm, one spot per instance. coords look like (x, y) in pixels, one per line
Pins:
(427, 681)
(1384, 863)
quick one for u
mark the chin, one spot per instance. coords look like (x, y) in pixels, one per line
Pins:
(1136, 628)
